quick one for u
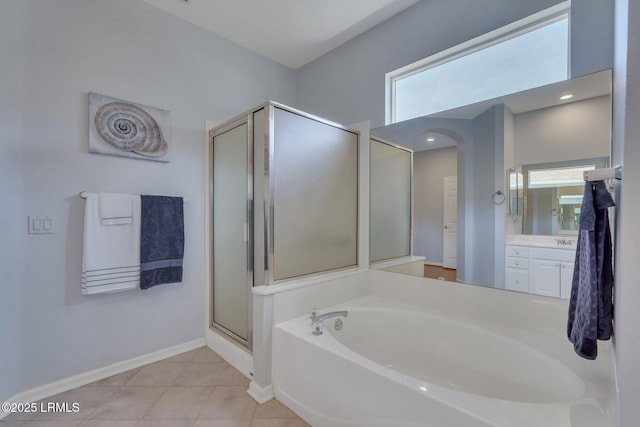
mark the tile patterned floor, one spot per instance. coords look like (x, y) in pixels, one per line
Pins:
(192, 389)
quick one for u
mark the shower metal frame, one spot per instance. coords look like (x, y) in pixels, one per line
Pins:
(248, 120)
(268, 109)
(411, 216)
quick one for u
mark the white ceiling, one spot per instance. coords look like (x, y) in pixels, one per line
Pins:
(290, 32)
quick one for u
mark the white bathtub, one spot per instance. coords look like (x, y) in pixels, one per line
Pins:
(395, 364)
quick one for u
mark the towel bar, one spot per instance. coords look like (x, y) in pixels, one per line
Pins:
(83, 195)
(605, 173)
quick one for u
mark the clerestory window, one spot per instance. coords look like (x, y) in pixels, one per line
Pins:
(528, 53)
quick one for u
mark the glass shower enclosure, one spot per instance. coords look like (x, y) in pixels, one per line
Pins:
(284, 205)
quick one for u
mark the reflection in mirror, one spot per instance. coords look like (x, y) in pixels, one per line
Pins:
(554, 194)
(516, 194)
(390, 201)
(546, 137)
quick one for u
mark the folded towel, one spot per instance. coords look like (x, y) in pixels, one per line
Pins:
(111, 255)
(161, 240)
(116, 209)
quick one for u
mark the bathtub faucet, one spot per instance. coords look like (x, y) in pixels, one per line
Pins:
(316, 319)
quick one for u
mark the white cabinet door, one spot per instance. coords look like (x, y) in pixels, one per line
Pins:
(545, 277)
(517, 280)
(566, 277)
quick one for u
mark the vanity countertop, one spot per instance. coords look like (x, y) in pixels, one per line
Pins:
(556, 242)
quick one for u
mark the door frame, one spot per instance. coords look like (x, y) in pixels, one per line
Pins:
(248, 120)
(444, 232)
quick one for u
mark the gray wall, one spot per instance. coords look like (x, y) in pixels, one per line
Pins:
(580, 130)
(592, 29)
(429, 169)
(488, 218)
(11, 216)
(131, 50)
(347, 84)
(626, 151)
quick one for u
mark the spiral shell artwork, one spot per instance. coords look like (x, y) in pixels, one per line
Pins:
(128, 129)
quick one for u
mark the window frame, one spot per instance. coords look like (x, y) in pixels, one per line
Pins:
(530, 23)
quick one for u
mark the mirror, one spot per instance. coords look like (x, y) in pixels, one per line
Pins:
(390, 201)
(531, 147)
(516, 194)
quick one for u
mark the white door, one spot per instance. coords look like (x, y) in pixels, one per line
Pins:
(450, 219)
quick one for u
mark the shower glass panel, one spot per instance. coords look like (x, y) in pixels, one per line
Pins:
(390, 203)
(232, 275)
(314, 196)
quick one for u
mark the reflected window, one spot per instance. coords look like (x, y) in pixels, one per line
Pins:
(553, 195)
(560, 177)
(528, 53)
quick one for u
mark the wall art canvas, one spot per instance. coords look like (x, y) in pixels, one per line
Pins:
(123, 128)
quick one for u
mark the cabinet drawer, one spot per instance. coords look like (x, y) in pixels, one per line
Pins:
(518, 263)
(562, 255)
(517, 280)
(517, 251)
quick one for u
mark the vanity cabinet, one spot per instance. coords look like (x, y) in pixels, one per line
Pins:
(541, 271)
(517, 268)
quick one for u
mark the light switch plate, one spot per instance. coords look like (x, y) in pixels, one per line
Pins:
(39, 225)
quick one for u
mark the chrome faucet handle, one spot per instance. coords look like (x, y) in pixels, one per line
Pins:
(314, 314)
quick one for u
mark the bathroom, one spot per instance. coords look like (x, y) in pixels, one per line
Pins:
(58, 52)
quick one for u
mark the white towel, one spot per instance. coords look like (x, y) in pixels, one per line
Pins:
(111, 254)
(116, 209)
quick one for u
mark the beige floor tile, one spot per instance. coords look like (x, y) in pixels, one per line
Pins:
(17, 417)
(108, 423)
(165, 423)
(234, 377)
(229, 402)
(274, 409)
(120, 379)
(51, 423)
(87, 398)
(205, 354)
(203, 374)
(187, 356)
(278, 422)
(159, 373)
(129, 403)
(180, 402)
(222, 423)
(193, 389)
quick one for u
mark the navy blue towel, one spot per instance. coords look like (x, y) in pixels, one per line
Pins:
(161, 240)
(591, 304)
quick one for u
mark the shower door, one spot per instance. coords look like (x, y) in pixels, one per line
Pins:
(232, 194)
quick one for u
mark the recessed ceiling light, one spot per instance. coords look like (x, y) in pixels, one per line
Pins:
(430, 139)
(567, 96)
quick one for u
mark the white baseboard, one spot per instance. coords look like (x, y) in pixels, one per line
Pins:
(240, 359)
(66, 384)
(259, 393)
